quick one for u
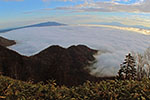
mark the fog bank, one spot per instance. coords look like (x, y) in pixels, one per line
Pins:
(115, 42)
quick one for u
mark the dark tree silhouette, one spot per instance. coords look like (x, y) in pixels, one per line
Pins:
(128, 68)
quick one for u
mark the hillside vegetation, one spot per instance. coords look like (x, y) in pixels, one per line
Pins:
(11, 89)
(65, 65)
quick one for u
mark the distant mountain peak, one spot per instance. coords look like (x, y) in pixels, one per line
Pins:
(46, 24)
(43, 24)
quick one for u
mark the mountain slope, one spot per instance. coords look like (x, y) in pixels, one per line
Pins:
(65, 65)
(45, 24)
(123, 25)
(5, 42)
(34, 25)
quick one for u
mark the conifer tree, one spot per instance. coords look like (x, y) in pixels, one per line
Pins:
(128, 68)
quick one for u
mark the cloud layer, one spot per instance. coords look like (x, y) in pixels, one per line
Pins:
(112, 43)
(104, 5)
(111, 6)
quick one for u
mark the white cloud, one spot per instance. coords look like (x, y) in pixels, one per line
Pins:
(112, 6)
(115, 42)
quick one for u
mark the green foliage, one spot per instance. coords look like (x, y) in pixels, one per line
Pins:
(104, 90)
(128, 68)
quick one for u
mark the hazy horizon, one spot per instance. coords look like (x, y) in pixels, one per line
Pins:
(15, 13)
(115, 42)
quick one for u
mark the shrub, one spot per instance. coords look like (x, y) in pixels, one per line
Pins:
(104, 90)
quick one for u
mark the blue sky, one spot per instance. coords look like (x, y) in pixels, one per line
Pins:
(14, 13)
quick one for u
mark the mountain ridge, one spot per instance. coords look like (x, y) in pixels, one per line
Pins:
(65, 65)
(43, 24)
(6, 42)
(121, 25)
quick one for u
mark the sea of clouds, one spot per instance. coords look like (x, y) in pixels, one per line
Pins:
(114, 43)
